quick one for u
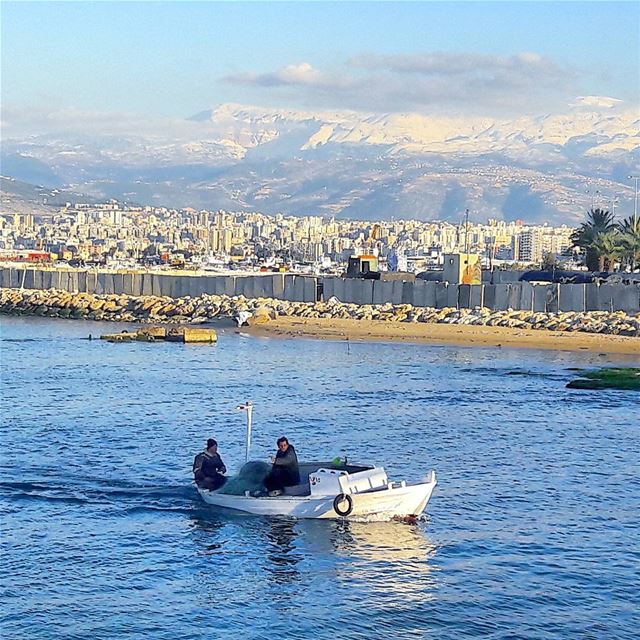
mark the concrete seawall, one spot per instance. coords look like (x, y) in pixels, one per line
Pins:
(296, 288)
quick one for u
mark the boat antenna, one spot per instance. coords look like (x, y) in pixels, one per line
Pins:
(248, 407)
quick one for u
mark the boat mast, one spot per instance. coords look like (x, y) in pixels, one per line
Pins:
(248, 407)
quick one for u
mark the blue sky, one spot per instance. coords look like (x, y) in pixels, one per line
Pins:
(173, 59)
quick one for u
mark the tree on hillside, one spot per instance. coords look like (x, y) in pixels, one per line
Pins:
(630, 239)
(585, 236)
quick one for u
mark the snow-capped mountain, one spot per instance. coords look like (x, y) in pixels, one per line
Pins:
(355, 164)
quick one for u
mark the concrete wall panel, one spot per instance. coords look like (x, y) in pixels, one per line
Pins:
(29, 279)
(127, 283)
(118, 282)
(502, 293)
(73, 281)
(397, 289)
(442, 295)
(489, 295)
(327, 288)
(626, 298)
(539, 298)
(289, 288)
(339, 289)
(526, 296)
(407, 292)
(82, 281)
(476, 297)
(591, 298)
(571, 297)
(310, 289)
(452, 296)
(382, 291)
(229, 285)
(278, 286)
(515, 293)
(464, 296)
(37, 279)
(552, 297)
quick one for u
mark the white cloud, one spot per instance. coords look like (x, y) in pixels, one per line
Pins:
(466, 82)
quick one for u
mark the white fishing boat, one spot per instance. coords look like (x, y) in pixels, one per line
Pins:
(331, 490)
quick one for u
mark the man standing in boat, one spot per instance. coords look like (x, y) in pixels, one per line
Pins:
(285, 472)
(208, 467)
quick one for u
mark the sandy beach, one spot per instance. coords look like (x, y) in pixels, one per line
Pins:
(478, 336)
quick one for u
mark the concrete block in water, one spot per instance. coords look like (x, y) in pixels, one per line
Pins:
(571, 297)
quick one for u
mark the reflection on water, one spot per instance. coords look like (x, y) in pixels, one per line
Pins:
(281, 552)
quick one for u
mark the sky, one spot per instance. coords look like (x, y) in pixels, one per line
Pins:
(171, 60)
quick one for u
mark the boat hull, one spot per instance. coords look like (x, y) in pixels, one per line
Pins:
(395, 502)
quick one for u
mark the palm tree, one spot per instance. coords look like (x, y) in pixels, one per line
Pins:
(630, 234)
(609, 248)
(598, 221)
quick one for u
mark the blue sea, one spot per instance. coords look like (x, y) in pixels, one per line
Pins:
(532, 532)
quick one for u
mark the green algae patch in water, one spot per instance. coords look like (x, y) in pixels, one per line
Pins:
(623, 379)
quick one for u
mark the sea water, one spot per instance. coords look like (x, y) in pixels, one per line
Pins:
(532, 531)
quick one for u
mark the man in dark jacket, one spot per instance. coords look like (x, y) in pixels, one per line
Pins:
(208, 468)
(285, 472)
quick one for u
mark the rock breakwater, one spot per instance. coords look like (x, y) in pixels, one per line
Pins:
(153, 309)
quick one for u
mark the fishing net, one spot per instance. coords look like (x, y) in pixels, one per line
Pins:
(250, 478)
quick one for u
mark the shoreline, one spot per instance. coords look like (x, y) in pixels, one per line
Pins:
(443, 334)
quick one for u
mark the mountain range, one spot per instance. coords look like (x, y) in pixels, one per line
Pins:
(350, 164)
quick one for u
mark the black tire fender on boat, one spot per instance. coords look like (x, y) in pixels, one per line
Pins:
(343, 497)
